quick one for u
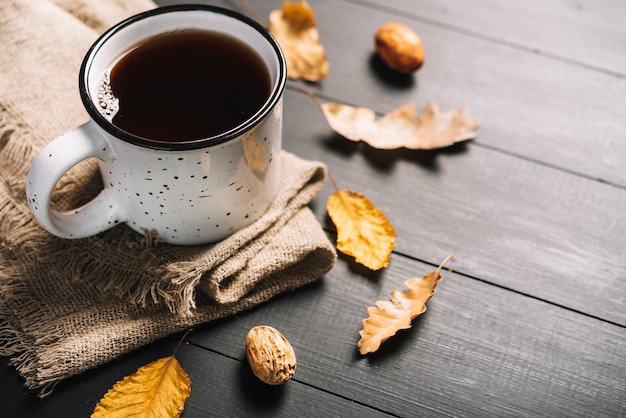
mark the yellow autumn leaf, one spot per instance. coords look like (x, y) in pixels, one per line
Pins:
(158, 389)
(401, 127)
(295, 29)
(363, 231)
(389, 317)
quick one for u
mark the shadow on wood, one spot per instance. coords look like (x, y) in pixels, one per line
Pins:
(261, 396)
(391, 77)
(395, 347)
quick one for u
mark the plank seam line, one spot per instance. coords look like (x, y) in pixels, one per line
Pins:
(518, 292)
(549, 165)
(333, 234)
(483, 145)
(471, 33)
(349, 399)
(188, 341)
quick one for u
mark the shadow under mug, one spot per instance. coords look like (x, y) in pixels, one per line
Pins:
(192, 192)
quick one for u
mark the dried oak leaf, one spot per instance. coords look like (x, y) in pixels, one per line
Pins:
(363, 231)
(401, 127)
(389, 317)
(295, 29)
(158, 389)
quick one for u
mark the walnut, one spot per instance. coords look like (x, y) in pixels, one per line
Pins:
(271, 357)
(399, 47)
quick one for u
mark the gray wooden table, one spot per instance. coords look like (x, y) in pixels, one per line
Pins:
(531, 320)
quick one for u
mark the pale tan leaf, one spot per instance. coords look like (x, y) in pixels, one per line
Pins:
(401, 127)
(295, 29)
(363, 231)
(389, 317)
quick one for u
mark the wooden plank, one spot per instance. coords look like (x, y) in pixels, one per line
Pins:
(532, 106)
(518, 208)
(477, 351)
(521, 225)
(583, 32)
(226, 387)
(220, 386)
(76, 396)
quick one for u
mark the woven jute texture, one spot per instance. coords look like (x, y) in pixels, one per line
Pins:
(70, 305)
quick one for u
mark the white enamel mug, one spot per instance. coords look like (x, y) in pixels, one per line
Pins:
(191, 192)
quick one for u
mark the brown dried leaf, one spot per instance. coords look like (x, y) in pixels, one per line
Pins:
(363, 231)
(389, 317)
(295, 29)
(400, 127)
(158, 389)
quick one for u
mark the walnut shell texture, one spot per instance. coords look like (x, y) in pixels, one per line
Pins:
(271, 357)
(399, 47)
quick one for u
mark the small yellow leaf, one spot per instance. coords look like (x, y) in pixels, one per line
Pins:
(295, 29)
(158, 389)
(400, 127)
(389, 317)
(363, 231)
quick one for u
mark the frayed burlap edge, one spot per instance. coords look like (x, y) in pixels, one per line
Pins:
(92, 320)
(111, 313)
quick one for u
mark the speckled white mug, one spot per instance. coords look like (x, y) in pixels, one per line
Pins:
(188, 192)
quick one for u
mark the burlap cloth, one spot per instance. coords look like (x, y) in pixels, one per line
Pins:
(70, 305)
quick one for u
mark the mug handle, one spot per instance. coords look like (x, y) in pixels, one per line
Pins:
(54, 160)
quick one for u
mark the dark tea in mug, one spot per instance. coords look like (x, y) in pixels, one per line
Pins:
(185, 85)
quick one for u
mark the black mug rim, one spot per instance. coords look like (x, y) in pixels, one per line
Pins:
(249, 124)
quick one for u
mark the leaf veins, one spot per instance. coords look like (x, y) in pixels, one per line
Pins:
(158, 389)
(400, 128)
(363, 231)
(389, 317)
(295, 29)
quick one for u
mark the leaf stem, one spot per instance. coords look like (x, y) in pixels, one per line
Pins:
(181, 341)
(332, 180)
(309, 93)
(448, 258)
